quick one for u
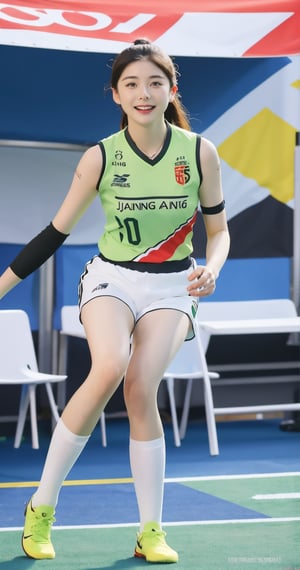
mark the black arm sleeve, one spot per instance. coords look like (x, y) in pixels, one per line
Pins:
(213, 209)
(37, 251)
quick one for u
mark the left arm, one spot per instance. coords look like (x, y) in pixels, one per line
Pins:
(203, 278)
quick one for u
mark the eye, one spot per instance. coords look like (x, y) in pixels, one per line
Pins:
(156, 83)
(131, 84)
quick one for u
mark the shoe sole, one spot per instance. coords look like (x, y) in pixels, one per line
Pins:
(140, 555)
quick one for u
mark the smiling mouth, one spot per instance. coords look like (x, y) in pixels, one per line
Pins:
(144, 107)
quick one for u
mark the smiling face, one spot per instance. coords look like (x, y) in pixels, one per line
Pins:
(144, 92)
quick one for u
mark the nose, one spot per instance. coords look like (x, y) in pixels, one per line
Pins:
(144, 93)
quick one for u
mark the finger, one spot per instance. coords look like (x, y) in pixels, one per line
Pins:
(207, 288)
(197, 273)
(200, 283)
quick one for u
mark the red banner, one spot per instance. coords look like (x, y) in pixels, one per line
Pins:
(227, 28)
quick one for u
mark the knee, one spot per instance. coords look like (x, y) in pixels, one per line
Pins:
(106, 375)
(138, 394)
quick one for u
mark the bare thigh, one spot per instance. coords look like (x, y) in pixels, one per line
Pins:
(108, 326)
(156, 339)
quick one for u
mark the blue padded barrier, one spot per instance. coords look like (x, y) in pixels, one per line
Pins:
(240, 279)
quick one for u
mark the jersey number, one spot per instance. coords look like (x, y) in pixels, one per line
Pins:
(131, 226)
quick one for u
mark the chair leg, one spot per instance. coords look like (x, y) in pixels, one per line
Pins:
(62, 369)
(52, 402)
(170, 386)
(210, 417)
(23, 407)
(208, 401)
(103, 429)
(33, 416)
(186, 408)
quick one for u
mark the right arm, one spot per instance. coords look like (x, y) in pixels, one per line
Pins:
(80, 195)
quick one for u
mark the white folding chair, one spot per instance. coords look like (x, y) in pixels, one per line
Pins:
(271, 316)
(236, 317)
(18, 366)
(72, 327)
(189, 364)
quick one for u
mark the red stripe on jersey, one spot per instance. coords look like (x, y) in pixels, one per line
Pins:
(165, 249)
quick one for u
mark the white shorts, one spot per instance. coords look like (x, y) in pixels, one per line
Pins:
(142, 292)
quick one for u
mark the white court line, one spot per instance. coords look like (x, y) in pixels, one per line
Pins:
(226, 477)
(276, 496)
(124, 480)
(166, 524)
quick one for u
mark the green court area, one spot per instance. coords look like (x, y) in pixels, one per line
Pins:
(271, 495)
(236, 522)
(256, 546)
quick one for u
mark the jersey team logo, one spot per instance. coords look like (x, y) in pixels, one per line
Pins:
(182, 173)
(121, 180)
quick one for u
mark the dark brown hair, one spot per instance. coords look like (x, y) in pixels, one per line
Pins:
(143, 49)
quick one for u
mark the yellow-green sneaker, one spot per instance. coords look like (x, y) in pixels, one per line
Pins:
(152, 546)
(36, 541)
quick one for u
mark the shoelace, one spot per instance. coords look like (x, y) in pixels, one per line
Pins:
(160, 534)
(41, 526)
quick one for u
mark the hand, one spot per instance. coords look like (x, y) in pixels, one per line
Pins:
(203, 282)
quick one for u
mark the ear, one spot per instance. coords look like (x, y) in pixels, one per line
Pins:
(173, 92)
(115, 96)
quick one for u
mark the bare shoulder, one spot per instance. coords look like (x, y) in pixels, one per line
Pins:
(91, 159)
(208, 151)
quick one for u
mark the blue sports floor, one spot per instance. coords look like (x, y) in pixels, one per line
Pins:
(248, 497)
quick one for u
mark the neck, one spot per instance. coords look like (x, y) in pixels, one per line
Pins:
(149, 141)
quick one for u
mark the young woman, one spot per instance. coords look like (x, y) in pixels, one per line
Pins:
(142, 289)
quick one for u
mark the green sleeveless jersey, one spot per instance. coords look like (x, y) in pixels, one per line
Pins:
(150, 205)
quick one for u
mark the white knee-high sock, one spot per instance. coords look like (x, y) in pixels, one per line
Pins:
(148, 460)
(64, 449)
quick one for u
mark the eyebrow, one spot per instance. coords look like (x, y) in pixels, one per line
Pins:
(136, 77)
